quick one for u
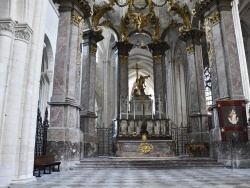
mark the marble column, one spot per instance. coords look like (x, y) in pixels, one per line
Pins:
(88, 116)
(158, 52)
(65, 138)
(196, 92)
(225, 63)
(122, 53)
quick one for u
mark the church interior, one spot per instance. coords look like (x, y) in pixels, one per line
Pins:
(125, 79)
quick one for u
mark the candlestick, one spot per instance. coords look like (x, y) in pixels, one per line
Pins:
(127, 107)
(160, 106)
(152, 109)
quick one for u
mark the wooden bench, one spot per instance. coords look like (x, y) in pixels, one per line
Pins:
(44, 162)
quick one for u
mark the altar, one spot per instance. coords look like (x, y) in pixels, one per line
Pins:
(141, 131)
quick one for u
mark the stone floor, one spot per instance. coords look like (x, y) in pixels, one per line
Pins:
(136, 178)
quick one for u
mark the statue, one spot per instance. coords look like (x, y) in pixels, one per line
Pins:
(141, 84)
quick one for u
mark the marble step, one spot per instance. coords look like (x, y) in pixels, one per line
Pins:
(149, 163)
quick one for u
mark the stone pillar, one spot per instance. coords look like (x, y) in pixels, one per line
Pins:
(158, 52)
(196, 92)
(122, 51)
(65, 139)
(226, 72)
(88, 116)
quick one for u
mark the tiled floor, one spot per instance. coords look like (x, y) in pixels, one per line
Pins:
(136, 178)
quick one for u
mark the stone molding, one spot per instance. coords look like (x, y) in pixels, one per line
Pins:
(91, 37)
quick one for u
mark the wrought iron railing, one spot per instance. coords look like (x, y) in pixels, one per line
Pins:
(41, 133)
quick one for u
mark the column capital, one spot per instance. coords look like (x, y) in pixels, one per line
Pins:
(123, 48)
(91, 36)
(203, 6)
(158, 48)
(192, 36)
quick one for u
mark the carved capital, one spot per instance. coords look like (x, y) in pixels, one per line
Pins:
(193, 34)
(123, 48)
(190, 49)
(92, 37)
(7, 27)
(158, 48)
(23, 32)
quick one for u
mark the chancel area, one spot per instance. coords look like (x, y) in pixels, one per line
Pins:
(122, 79)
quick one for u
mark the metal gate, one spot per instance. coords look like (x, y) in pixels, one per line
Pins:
(41, 133)
(180, 136)
(105, 138)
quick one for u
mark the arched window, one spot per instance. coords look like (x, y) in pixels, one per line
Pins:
(208, 88)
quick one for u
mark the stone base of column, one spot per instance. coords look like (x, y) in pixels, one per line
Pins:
(90, 145)
(88, 125)
(66, 144)
(24, 180)
(236, 154)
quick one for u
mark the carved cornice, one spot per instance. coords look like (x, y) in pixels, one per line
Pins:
(191, 34)
(215, 18)
(190, 49)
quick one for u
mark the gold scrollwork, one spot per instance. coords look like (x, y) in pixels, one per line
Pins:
(79, 49)
(123, 59)
(157, 58)
(215, 18)
(146, 147)
(190, 49)
(75, 18)
(93, 50)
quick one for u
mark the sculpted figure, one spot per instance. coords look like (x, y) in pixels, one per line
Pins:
(141, 84)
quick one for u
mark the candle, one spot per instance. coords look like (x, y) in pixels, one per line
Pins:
(134, 108)
(159, 106)
(166, 106)
(120, 107)
(152, 109)
(127, 107)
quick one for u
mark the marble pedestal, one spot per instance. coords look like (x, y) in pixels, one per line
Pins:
(148, 148)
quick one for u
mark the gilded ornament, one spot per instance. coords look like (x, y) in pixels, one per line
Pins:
(146, 148)
(182, 12)
(215, 18)
(190, 49)
(123, 59)
(144, 137)
(93, 50)
(75, 18)
(157, 58)
(99, 11)
(172, 24)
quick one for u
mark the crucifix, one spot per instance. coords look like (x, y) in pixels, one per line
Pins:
(136, 69)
